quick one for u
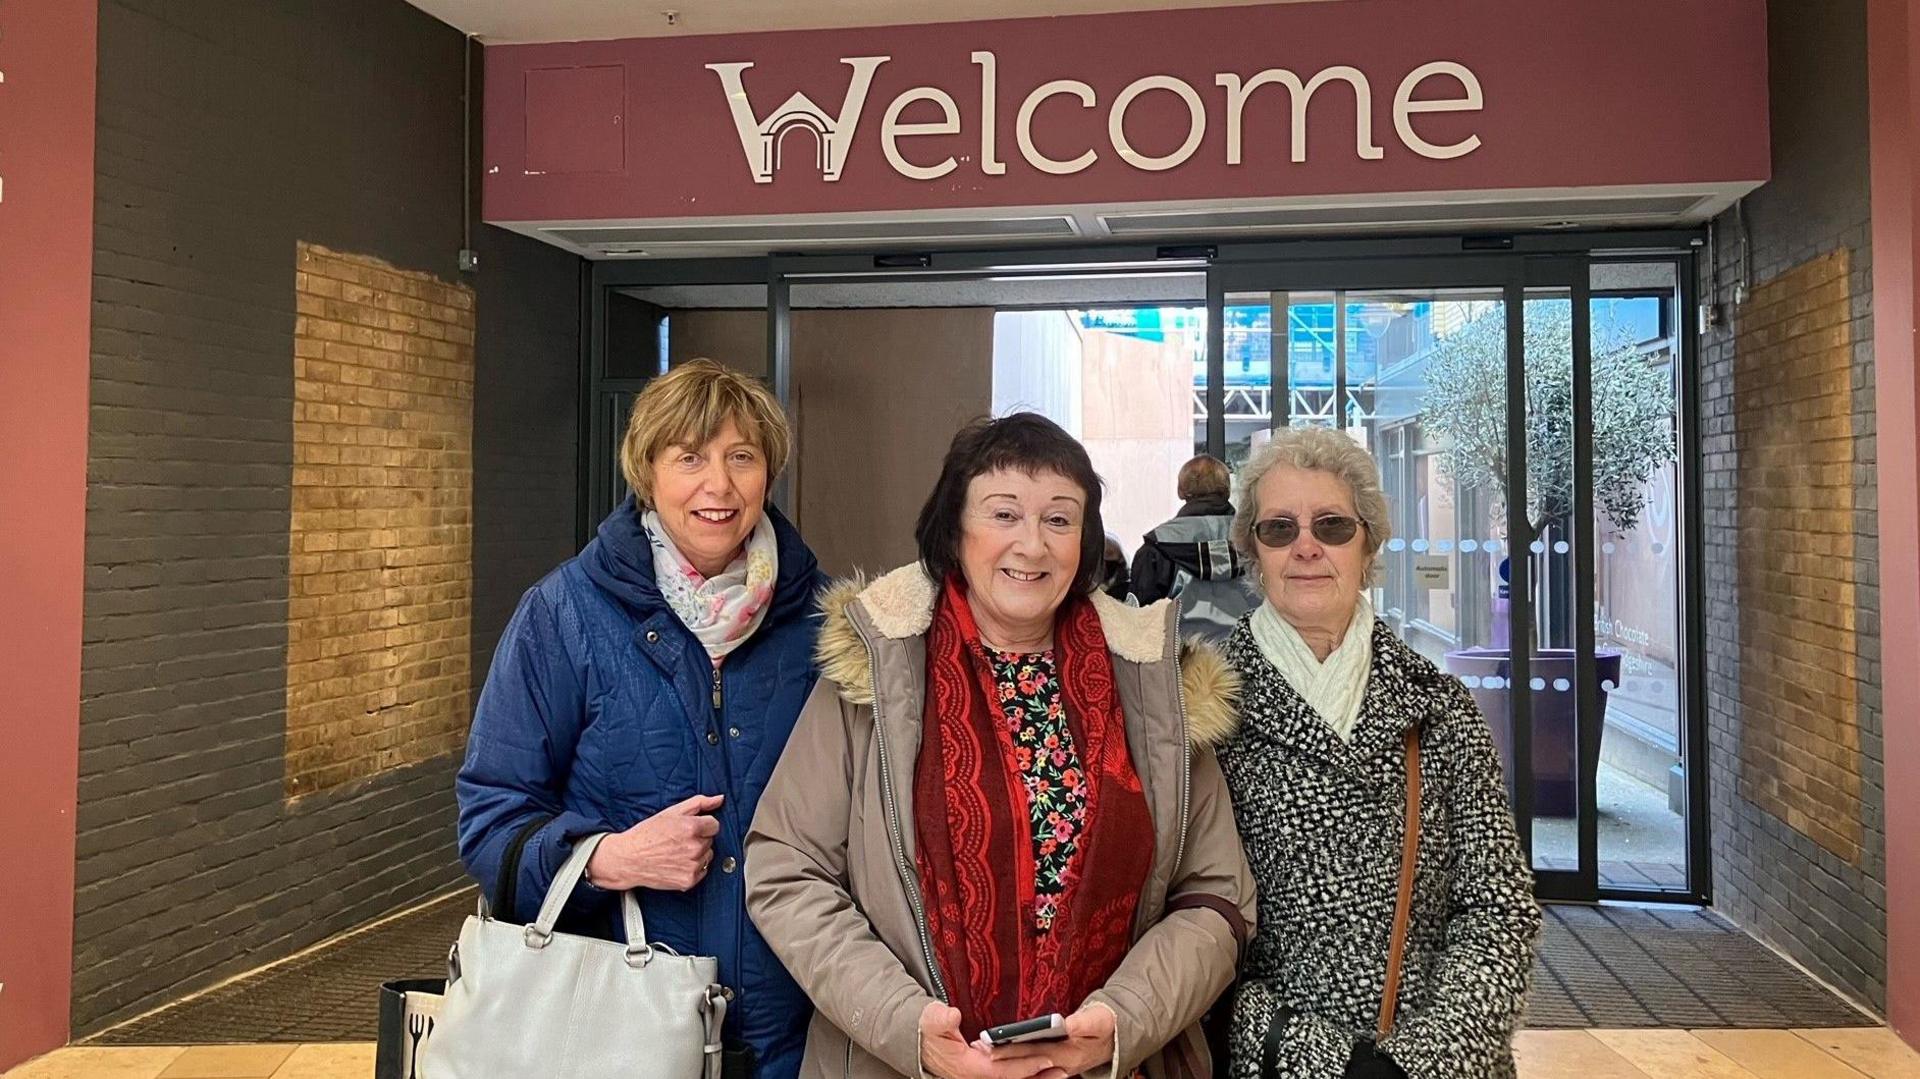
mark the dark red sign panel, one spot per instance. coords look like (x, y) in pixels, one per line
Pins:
(1350, 98)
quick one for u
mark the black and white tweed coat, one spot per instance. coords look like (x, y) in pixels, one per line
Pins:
(1323, 821)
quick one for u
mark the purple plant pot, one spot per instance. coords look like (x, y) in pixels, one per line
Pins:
(1556, 790)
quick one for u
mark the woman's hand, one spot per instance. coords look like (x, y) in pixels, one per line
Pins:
(944, 1052)
(1087, 1046)
(668, 852)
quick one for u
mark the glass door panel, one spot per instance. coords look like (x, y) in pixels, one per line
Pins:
(1249, 392)
(1418, 377)
(1372, 351)
(1640, 648)
(1565, 747)
(1525, 418)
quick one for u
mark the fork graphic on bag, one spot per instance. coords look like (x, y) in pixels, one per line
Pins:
(419, 1026)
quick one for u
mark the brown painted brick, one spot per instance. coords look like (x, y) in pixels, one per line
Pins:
(1800, 738)
(364, 520)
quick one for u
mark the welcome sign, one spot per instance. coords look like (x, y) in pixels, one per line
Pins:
(1249, 103)
(832, 134)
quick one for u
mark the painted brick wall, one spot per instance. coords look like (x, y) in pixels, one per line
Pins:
(229, 132)
(1793, 654)
(1793, 415)
(380, 546)
(526, 440)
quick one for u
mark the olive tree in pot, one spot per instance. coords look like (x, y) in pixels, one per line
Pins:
(1633, 435)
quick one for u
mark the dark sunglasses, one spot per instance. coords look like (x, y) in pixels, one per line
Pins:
(1282, 531)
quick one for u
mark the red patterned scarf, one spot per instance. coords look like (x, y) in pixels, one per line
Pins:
(972, 823)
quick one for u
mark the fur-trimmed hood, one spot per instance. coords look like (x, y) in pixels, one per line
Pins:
(900, 605)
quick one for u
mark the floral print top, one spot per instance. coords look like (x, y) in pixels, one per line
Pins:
(1034, 707)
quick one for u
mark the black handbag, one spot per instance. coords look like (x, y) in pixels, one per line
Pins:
(738, 1062)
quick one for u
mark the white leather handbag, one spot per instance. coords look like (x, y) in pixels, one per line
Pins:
(524, 1000)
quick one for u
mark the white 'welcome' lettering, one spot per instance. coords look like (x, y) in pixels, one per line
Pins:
(762, 138)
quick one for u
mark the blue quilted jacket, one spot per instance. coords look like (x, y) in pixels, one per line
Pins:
(600, 711)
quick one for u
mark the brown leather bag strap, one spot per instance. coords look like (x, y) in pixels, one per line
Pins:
(1403, 905)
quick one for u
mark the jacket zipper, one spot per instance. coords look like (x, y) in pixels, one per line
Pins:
(1186, 754)
(893, 824)
(719, 735)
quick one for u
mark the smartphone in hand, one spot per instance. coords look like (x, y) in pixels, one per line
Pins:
(1038, 1029)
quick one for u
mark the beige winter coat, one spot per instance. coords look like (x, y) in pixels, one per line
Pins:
(831, 877)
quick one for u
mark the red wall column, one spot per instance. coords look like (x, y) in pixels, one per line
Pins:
(47, 67)
(1893, 34)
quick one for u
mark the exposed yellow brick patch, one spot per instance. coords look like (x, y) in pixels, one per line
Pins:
(380, 576)
(1793, 401)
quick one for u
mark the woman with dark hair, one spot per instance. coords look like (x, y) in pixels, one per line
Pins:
(999, 803)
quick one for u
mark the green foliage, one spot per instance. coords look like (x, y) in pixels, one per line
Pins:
(1633, 413)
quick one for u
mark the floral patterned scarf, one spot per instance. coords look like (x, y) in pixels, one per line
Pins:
(721, 611)
(974, 831)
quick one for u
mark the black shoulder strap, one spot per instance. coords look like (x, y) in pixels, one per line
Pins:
(1270, 1052)
(507, 884)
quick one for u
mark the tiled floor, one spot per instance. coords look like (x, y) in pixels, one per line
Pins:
(1598, 967)
(336, 1061)
(1852, 1053)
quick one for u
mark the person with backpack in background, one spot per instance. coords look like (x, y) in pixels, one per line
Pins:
(1191, 558)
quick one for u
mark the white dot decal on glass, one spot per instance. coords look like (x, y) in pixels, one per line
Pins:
(1419, 546)
(1561, 685)
(1396, 544)
(1443, 546)
(1469, 546)
(1538, 547)
(1607, 684)
(1471, 681)
(1538, 683)
(1560, 547)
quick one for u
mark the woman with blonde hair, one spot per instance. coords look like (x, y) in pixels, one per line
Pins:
(645, 689)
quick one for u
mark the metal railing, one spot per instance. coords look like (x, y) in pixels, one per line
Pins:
(1308, 405)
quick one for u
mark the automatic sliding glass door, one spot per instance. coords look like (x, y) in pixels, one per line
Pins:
(1499, 396)
(1528, 414)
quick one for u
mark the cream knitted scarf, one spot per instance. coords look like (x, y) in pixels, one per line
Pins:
(1333, 689)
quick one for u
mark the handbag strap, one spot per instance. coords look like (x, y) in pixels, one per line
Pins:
(714, 1014)
(562, 888)
(1270, 1045)
(1403, 903)
(506, 884)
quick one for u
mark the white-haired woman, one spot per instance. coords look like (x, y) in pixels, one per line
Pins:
(1335, 709)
